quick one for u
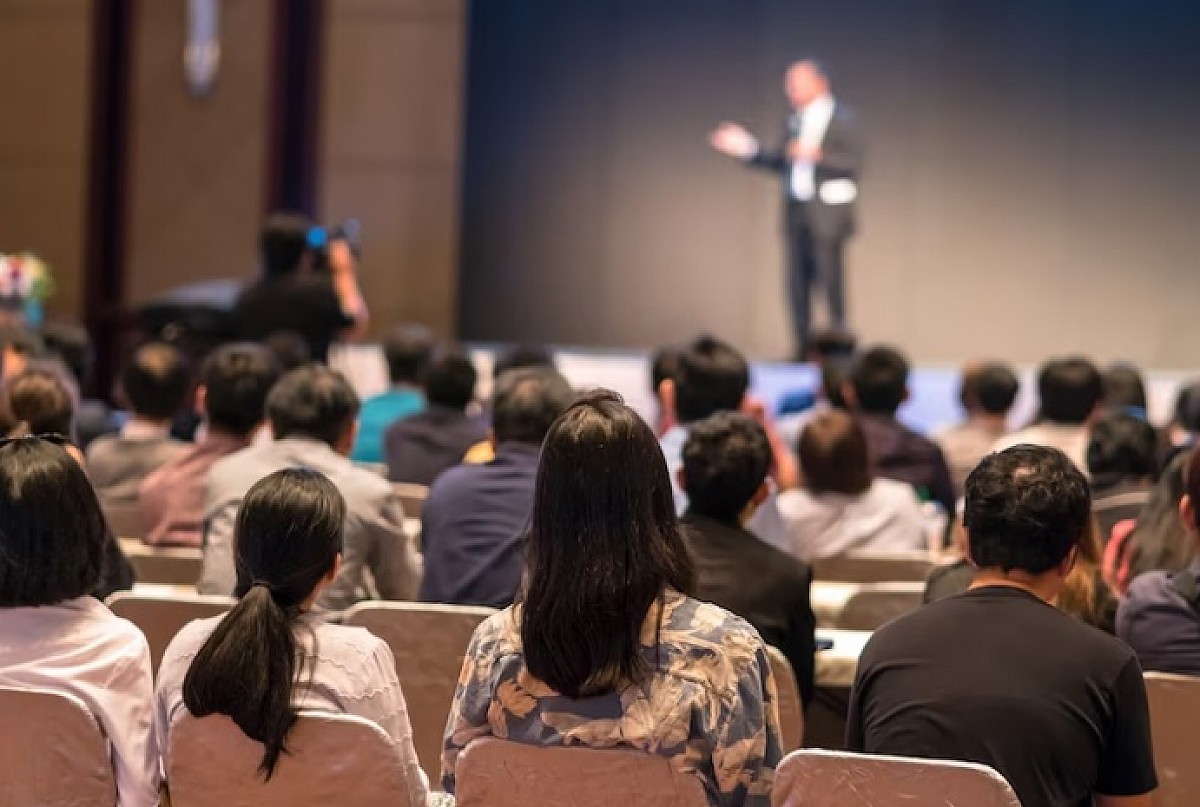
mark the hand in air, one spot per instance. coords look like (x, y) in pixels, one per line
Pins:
(733, 140)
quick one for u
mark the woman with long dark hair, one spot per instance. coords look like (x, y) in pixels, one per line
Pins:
(604, 647)
(271, 655)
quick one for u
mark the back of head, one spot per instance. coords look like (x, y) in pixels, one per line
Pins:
(526, 402)
(287, 540)
(284, 242)
(990, 388)
(1026, 509)
(52, 531)
(19, 346)
(156, 382)
(880, 381)
(290, 350)
(1070, 390)
(313, 402)
(39, 401)
(519, 356)
(603, 506)
(237, 379)
(71, 345)
(711, 376)
(1187, 407)
(1124, 388)
(664, 365)
(833, 455)
(450, 380)
(1122, 447)
(835, 372)
(408, 350)
(726, 460)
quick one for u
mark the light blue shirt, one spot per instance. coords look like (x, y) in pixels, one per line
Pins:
(377, 414)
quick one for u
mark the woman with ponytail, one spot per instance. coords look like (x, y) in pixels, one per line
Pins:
(271, 655)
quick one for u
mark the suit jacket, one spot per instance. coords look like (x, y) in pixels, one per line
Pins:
(841, 158)
(766, 587)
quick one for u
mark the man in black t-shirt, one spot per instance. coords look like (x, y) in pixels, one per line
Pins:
(1000, 677)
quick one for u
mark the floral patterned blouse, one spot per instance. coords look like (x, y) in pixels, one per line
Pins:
(710, 705)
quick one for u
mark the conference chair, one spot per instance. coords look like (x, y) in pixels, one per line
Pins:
(429, 642)
(1174, 715)
(873, 567)
(332, 759)
(52, 751)
(412, 498)
(791, 706)
(166, 565)
(161, 617)
(814, 778)
(499, 773)
(875, 604)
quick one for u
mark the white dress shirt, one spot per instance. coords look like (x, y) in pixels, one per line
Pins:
(886, 518)
(79, 647)
(353, 673)
(814, 122)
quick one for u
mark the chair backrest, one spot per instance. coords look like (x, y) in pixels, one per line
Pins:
(332, 759)
(52, 752)
(161, 617)
(499, 773)
(1174, 715)
(412, 497)
(791, 706)
(429, 643)
(876, 604)
(124, 519)
(813, 778)
(168, 565)
(864, 567)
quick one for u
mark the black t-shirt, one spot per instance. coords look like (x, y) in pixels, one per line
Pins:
(997, 676)
(306, 305)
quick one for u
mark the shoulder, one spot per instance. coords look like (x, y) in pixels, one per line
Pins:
(349, 647)
(188, 641)
(893, 492)
(102, 446)
(121, 638)
(359, 484)
(696, 629)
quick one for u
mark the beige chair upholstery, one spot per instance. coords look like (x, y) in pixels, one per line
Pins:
(813, 778)
(791, 706)
(1174, 716)
(875, 604)
(498, 773)
(412, 497)
(862, 567)
(429, 642)
(52, 752)
(168, 565)
(160, 618)
(332, 759)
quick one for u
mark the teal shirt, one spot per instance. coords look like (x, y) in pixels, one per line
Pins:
(377, 414)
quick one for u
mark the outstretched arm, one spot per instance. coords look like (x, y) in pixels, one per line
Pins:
(732, 140)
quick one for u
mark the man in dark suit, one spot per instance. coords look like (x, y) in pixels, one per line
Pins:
(725, 464)
(819, 162)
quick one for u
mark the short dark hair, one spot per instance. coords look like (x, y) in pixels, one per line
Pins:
(833, 454)
(880, 380)
(450, 380)
(290, 349)
(312, 401)
(71, 345)
(283, 242)
(156, 381)
(664, 366)
(1123, 387)
(835, 372)
(237, 379)
(52, 531)
(990, 387)
(1069, 389)
(1187, 407)
(1123, 446)
(726, 459)
(524, 355)
(526, 402)
(408, 350)
(1027, 507)
(39, 399)
(711, 376)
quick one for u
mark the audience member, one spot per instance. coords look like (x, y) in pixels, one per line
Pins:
(408, 351)
(1070, 391)
(522, 356)
(606, 648)
(53, 635)
(986, 393)
(154, 384)
(1157, 539)
(289, 349)
(1180, 435)
(271, 655)
(421, 446)
(232, 397)
(18, 347)
(996, 675)
(312, 411)
(1124, 389)
(71, 345)
(474, 517)
(877, 387)
(663, 365)
(726, 460)
(842, 506)
(1122, 463)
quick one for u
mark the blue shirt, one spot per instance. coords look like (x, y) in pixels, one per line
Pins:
(471, 528)
(1160, 625)
(377, 414)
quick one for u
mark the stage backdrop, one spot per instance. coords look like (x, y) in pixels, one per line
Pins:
(1031, 183)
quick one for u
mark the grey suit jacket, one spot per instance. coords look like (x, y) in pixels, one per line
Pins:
(375, 540)
(117, 465)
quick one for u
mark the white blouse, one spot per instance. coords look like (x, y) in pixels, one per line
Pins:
(353, 673)
(79, 647)
(886, 518)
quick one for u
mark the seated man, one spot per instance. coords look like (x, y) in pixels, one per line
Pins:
(725, 463)
(232, 399)
(312, 411)
(1122, 459)
(986, 393)
(1069, 391)
(408, 350)
(1000, 677)
(421, 446)
(475, 516)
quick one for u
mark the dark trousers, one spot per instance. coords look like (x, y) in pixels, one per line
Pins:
(813, 258)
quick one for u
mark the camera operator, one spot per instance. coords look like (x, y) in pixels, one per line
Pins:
(302, 290)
